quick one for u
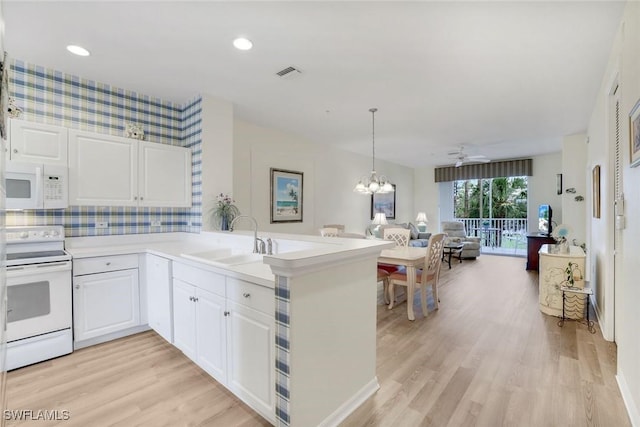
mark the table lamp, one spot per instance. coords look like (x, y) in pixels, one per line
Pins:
(422, 221)
(379, 219)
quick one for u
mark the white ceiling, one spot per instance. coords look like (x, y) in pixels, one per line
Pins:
(506, 79)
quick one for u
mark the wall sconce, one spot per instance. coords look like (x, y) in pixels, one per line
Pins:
(570, 190)
(578, 198)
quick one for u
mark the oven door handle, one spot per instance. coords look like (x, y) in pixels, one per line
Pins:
(37, 268)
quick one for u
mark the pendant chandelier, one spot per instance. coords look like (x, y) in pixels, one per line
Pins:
(373, 183)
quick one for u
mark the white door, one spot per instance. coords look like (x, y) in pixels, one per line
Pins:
(184, 318)
(158, 279)
(104, 303)
(164, 175)
(251, 353)
(211, 334)
(102, 170)
(38, 143)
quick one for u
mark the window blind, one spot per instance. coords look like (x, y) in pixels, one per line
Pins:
(519, 167)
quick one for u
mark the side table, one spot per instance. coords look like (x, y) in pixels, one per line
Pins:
(574, 304)
(451, 249)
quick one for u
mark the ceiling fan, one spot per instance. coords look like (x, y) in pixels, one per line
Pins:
(462, 157)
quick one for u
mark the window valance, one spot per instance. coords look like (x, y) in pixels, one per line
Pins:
(520, 167)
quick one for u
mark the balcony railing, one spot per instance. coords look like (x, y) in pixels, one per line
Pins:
(504, 235)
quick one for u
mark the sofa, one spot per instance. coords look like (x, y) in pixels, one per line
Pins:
(418, 238)
(456, 233)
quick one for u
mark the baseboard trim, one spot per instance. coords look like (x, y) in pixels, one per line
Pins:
(77, 345)
(601, 324)
(632, 410)
(351, 405)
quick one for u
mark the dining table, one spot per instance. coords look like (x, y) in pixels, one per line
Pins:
(411, 258)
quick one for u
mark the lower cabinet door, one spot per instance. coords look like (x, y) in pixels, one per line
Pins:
(251, 353)
(105, 302)
(211, 335)
(184, 318)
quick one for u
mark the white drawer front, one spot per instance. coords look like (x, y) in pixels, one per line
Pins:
(254, 296)
(204, 279)
(105, 263)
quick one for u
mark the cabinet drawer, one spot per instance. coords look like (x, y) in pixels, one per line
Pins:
(254, 296)
(204, 279)
(104, 263)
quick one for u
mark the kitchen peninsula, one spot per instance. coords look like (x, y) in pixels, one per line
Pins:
(306, 315)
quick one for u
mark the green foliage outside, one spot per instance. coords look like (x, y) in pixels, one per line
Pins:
(506, 197)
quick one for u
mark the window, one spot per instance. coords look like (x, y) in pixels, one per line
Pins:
(504, 197)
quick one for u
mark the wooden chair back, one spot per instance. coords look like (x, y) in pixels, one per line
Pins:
(399, 235)
(329, 232)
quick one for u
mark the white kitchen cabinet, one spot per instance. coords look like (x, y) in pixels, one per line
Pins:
(251, 357)
(37, 143)
(106, 170)
(159, 295)
(229, 331)
(104, 303)
(102, 170)
(184, 318)
(164, 175)
(199, 327)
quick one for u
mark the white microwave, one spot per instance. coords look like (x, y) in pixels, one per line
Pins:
(36, 186)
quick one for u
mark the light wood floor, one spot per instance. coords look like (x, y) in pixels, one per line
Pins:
(488, 357)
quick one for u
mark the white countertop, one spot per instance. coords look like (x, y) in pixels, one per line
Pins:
(293, 252)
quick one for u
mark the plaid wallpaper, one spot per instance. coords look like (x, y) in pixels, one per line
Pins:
(49, 96)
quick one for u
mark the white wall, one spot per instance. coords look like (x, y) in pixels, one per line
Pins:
(542, 188)
(217, 154)
(329, 177)
(575, 175)
(426, 197)
(624, 65)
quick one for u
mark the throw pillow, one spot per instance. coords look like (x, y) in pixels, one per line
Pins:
(413, 231)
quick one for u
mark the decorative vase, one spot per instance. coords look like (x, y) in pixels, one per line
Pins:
(563, 247)
(224, 223)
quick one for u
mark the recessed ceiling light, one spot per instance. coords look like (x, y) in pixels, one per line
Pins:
(242, 43)
(78, 50)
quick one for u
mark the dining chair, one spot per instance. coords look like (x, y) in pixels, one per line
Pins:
(429, 275)
(329, 232)
(401, 237)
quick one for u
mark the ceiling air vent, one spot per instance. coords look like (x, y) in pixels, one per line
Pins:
(288, 72)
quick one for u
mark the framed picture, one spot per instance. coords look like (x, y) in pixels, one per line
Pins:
(385, 203)
(559, 183)
(286, 196)
(596, 191)
(634, 135)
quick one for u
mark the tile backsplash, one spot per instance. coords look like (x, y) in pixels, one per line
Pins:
(49, 96)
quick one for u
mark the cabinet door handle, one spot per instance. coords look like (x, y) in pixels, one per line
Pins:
(77, 286)
(246, 294)
(226, 313)
(135, 197)
(190, 298)
(15, 150)
(141, 198)
(195, 299)
(108, 263)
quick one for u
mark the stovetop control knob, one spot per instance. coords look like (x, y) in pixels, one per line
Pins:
(44, 234)
(55, 233)
(24, 235)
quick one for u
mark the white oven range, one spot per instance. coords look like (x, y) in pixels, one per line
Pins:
(39, 305)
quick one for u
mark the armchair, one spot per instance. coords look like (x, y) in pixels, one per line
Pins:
(456, 233)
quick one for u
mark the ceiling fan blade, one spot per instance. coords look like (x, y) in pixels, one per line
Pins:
(478, 157)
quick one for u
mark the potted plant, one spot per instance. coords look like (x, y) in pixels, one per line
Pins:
(224, 211)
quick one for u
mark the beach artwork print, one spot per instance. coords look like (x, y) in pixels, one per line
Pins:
(634, 134)
(286, 195)
(385, 203)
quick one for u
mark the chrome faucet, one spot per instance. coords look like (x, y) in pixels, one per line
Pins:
(269, 246)
(256, 249)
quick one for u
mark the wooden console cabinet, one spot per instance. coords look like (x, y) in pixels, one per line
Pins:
(534, 242)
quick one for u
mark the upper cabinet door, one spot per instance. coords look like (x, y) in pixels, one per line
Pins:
(164, 176)
(102, 170)
(38, 143)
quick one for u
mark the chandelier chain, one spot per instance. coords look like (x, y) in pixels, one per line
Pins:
(373, 137)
